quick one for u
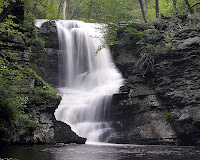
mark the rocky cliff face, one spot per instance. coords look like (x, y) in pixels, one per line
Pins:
(159, 104)
(34, 122)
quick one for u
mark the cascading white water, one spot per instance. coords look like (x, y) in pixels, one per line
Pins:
(87, 80)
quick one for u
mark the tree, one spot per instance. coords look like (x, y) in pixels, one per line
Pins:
(75, 12)
(12, 5)
(188, 5)
(157, 9)
(64, 9)
(59, 9)
(174, 5)
(142, 10)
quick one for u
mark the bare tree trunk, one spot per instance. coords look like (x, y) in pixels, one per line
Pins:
(64, 9)
(157, 9)
(188, 5)
(195, 4)
(142, 10)
(59, 9)
(76, 9)
(174, 5)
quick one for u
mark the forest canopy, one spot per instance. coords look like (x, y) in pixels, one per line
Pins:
(105, 11)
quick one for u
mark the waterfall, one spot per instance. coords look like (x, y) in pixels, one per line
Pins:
(87, 80)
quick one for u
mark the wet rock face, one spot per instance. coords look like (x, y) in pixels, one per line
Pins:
(48, 32)
(45, 62)
(51, 131)
(161, 107)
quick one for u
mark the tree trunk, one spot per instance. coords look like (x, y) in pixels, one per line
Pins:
(142, 10)
(174, 5)
(157, 9)
(188, 5)
(64, 9)
(195, 4)
(59, 9)
(76, 9)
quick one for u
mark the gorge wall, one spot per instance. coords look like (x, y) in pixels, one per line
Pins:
(160, 102)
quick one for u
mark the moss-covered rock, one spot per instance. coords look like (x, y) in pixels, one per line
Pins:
(27, 102)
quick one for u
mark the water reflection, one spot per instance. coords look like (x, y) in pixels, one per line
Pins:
(100, 152)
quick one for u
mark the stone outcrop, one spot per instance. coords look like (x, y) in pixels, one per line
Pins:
(51, 131)
(38, 125)
(45, 62)
(161, 106)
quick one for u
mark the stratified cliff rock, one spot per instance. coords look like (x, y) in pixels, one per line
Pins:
(160, 102)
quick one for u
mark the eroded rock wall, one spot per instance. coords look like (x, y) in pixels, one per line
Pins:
(159, 106)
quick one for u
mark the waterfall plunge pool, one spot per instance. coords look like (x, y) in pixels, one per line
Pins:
(98, 152)
(90, 73)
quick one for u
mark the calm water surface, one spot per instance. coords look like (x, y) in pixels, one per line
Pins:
(101, 152)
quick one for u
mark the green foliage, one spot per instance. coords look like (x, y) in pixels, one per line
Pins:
(134, 30)
(31, 32)
(9, 30)
(167, 115)
(152, 35)
(8, 27)
(11, 103)
(182, 15)
(42, 9)
(29, 21)
(42, 89)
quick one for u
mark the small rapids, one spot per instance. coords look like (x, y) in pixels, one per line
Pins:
(87, 80)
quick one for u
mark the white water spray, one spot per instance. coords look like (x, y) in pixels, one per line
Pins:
(87, 80)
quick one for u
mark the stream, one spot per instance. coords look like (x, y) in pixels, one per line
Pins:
(98, 152)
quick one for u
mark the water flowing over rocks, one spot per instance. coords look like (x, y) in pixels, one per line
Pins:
(162, 106)
(45, 63)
